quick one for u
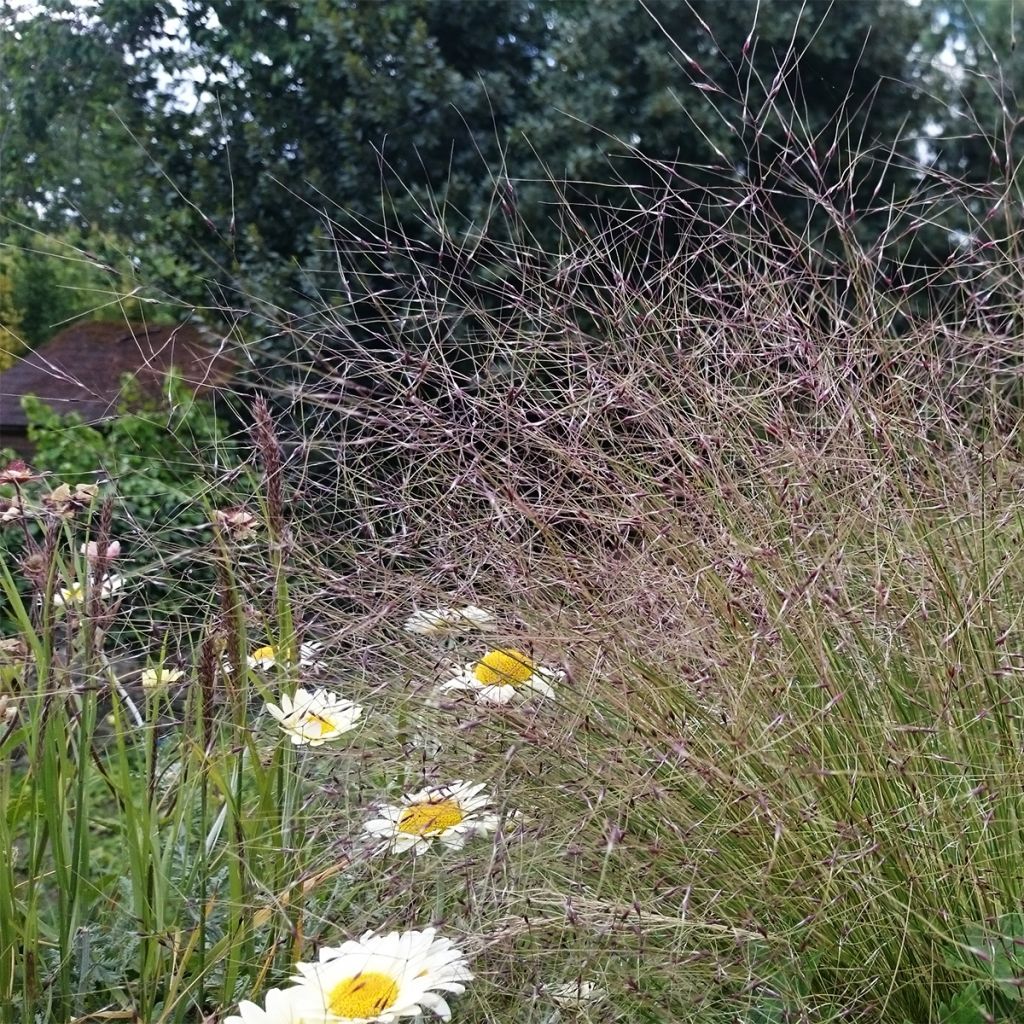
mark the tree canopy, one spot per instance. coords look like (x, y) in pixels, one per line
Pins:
(214, 136)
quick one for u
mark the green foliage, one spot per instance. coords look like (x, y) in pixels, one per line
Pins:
(155, 456)
(307, 108)
(650, 54)
(47, 281)
(10, 319)
(65, 151)
(150, 451)
(151, 849)
(783, 774)
(996, 955)
(979, 140)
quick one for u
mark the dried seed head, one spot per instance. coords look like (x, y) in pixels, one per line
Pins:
(66, 503)
(264, 437)
(33, 565)
(13, 651)
(17, 472)
(237, 523)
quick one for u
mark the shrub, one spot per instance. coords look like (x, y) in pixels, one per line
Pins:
(155, 456)
(47, 281)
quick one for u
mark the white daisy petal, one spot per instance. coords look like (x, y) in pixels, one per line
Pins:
(309, 656)
(314, 718)
(379, 978)
(474, 616)
(575, 993)
(446, 814)
(433, 621)
(280, 1009)
(496, 694)
(541, 686)
(502, 675)
(436, 1004)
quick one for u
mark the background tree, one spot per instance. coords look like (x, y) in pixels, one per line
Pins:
(66, 157)
(763, 91)
(214, 136)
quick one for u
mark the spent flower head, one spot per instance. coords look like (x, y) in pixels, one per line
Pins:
(238, 523)
(18, 472)
(12, 510)
(8, 709)
(66, 503)
(13, 650)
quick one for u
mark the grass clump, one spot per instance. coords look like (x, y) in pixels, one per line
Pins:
(642, 619)
(762, 505)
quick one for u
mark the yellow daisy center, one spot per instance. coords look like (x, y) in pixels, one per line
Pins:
(503, 668)
(430, 819)
(366, 995)
(321, 725)
(264, 654)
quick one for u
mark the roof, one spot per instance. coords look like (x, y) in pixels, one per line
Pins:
(81, 369)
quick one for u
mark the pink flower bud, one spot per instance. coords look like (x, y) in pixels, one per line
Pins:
(92, 551)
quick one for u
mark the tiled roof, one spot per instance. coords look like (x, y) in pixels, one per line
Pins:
(81, 369)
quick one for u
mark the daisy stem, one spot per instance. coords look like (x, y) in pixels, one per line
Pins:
(290, 774)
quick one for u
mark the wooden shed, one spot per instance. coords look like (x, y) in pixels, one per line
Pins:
(81, 370)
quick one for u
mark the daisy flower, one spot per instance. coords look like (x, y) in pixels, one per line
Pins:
(264, 658)
(379, 978)
(575, 993)
(280, 1010)
(314, 718)
(500, 674)
(449, 814)
(154, 678)
(75, 594)
(444, 620)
